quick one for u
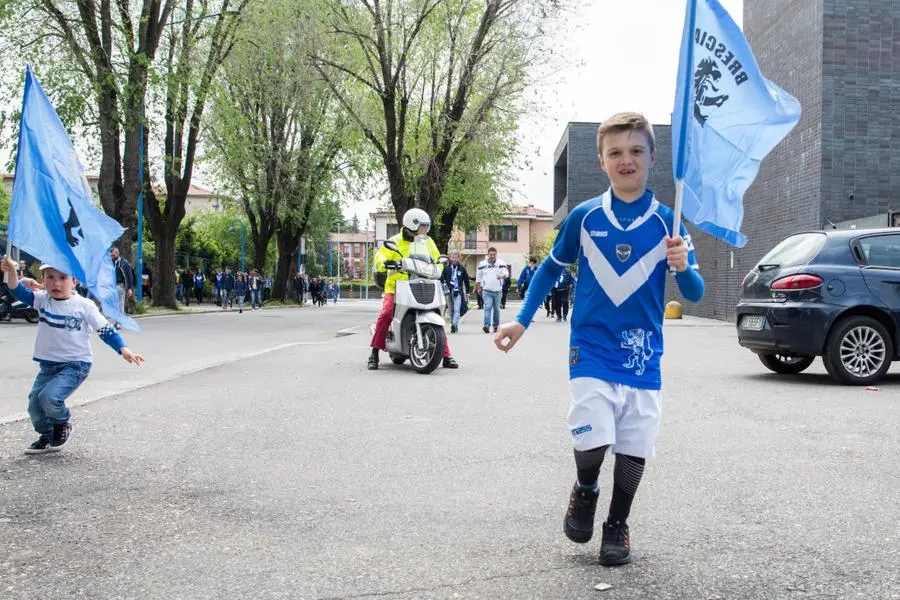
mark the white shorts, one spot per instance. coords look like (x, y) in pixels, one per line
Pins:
(604, 413)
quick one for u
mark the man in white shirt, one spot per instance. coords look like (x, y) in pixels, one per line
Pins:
(489, 281)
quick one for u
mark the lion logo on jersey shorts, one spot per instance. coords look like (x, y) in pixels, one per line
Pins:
(638, 341)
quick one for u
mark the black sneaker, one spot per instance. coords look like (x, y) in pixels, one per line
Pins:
(60, 434)
(579, 522)
(615, 549)
(450, 363)
(486, 329)
(41, 446)
(453, 329)
(372, 365)
(496, 329)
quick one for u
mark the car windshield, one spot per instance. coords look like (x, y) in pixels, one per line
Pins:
(793, 251)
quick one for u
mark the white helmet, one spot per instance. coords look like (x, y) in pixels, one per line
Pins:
(415, 218)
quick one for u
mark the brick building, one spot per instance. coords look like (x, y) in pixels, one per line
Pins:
(842, 160)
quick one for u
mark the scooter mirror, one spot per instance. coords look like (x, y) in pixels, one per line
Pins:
(391, 245)
(442, 259)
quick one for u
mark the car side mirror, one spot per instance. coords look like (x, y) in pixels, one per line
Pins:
(392, 246)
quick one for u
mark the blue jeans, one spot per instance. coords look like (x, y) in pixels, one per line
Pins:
(254, 299)
(491, 308)
(47, 401)
(455, 305)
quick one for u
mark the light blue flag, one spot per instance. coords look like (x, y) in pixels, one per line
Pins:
(52, 215)
(727, 117)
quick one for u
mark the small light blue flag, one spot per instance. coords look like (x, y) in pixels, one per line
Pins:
(727, 117)
(52, 215)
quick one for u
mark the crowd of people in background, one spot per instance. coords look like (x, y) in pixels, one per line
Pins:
(227, 289)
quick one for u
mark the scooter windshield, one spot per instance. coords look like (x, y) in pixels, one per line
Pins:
(419, 249)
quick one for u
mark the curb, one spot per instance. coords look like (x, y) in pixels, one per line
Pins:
(209, 311)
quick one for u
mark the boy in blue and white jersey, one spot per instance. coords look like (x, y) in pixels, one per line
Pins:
(625, 248)
(62, 348)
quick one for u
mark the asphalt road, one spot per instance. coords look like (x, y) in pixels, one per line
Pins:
(296, 473)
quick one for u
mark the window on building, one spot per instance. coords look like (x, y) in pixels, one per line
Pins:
(392, 229)
(881, 250)
(471, 242)
(503, 233)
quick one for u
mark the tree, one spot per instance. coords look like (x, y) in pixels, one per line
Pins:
(113, 46)
(277, 132)
(5, 200)
(105, 50)
(430, 79)
(186, 91)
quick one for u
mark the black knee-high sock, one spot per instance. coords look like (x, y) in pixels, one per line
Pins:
(588, 463)
(626, 479)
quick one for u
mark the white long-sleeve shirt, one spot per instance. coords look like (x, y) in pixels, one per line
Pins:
(490, 275)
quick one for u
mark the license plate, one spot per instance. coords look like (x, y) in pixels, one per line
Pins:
(753, 323)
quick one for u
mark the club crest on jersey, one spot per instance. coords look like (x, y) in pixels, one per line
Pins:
(623, 252)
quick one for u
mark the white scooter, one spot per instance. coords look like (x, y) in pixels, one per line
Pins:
(417, 327)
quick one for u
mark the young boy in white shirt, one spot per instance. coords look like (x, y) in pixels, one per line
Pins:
(62, 348)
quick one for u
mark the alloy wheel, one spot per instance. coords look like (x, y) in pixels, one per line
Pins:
(862, 351)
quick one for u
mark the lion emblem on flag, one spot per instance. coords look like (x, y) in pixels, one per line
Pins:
(706, 77)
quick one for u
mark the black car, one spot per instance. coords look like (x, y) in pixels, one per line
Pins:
(834, 294)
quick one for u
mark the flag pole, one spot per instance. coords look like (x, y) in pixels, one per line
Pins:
(8, 253)
(681, 151)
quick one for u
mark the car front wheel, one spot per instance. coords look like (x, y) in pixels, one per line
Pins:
(858, 351)
(786, 365)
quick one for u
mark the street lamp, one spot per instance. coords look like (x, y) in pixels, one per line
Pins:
(231, 228)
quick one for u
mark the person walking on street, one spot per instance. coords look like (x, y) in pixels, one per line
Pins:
(255, 285)
(217, 286)
(525, 277)
(227, 288)
(507, 282)
(199, 281)
(298, 288)
(240, 291)
(124, 279)
(456, 278)
(561, 295)
(489, 278)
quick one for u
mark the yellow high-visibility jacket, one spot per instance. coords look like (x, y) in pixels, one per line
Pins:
(383, 255)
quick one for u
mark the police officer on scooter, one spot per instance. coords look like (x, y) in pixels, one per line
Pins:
(416, 222)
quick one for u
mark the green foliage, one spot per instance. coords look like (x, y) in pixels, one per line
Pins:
(5, 200)
(541, 248)
(214, 238)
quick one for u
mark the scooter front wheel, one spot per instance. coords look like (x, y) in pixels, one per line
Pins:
(426, 359)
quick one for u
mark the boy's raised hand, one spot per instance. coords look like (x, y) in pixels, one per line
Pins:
(676, 253)
(508, 335)
(131, 357)
(8, 265)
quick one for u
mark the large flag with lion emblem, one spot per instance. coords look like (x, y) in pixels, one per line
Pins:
(52, 215)
(727, 117)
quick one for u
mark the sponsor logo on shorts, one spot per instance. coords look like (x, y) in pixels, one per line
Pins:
(581, 430)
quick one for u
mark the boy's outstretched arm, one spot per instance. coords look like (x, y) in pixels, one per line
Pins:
(115, 341)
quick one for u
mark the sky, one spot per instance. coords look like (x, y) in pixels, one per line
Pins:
(608, 72)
